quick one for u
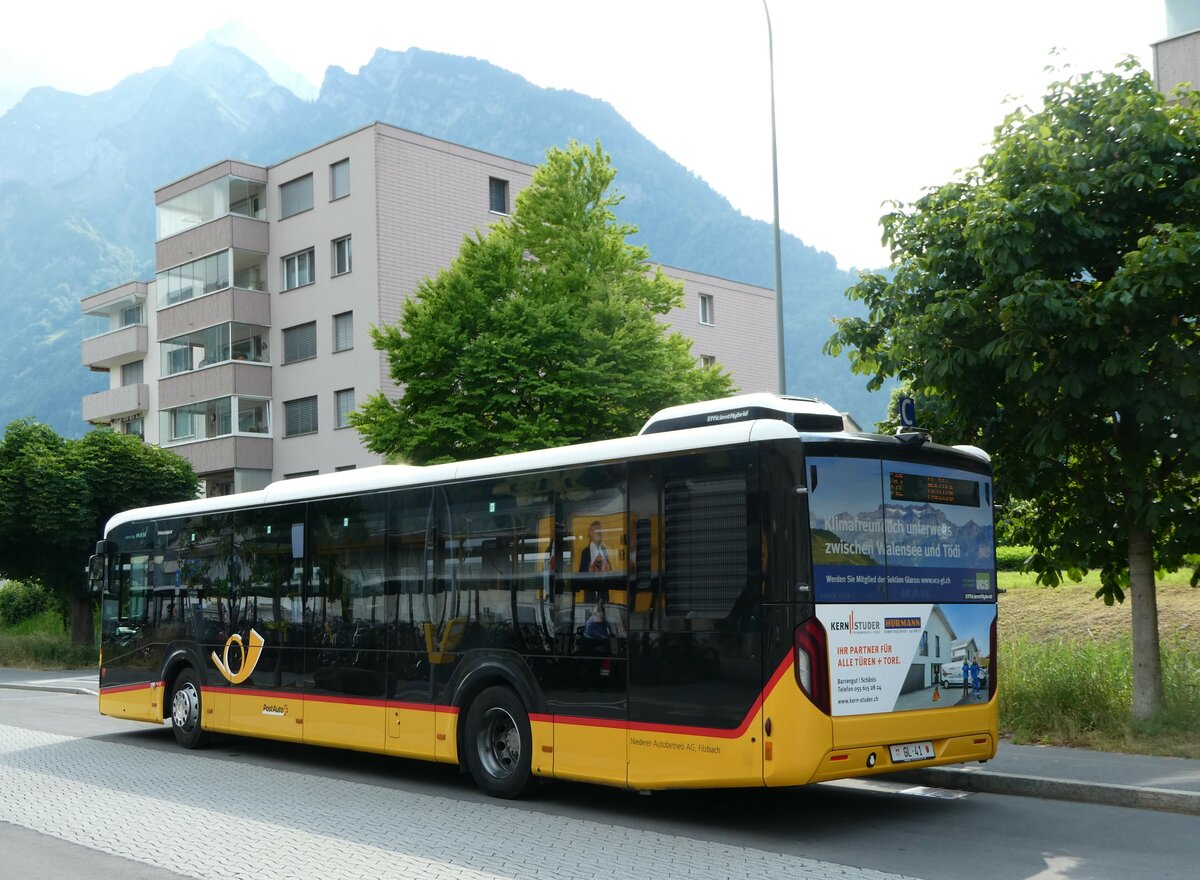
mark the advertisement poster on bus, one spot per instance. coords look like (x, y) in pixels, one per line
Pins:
(898, 657)
(886, 531)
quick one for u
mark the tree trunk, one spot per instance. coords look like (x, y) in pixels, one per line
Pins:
(83, 626)
(1147, 662)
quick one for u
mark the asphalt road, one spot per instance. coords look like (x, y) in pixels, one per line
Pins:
(95, 786)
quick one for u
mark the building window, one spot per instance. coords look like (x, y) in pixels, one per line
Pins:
(345, 467)
(707, 360)
(498, 195)
(213, 345)
(342, 262)
(339, 180)
(206, 275)
(228, 195)
(706, 308)
(343, 331)
(300, 474)
(296, 196)
(298, 269)
(135, 427)
(131, 374)
(343, 406)
(300, 342)
(299, 416)
(131, 315)
(215, 418)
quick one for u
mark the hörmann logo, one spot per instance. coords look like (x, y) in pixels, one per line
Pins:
(855, 626)
(729, 416)
(902, 623)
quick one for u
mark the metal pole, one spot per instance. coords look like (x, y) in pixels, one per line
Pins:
(775, 191)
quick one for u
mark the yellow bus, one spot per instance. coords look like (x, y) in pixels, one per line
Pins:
(744, 594)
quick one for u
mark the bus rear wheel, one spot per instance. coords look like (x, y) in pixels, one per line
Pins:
(499, 744)
(186, 709)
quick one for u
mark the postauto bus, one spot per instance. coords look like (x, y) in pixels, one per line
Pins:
(744, 594)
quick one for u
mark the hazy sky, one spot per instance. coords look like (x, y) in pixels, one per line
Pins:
(875, 99)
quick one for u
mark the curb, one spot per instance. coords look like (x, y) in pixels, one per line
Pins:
(1106, 793)
(49, 688)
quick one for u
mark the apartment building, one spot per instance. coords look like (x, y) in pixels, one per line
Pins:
(250, 347)
(1177, 57)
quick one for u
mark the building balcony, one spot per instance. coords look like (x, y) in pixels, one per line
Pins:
(222, 380)
(225, 233)
(115, 403)
(116, 347)
(1177, 60)
(228, 453)
(114, 326)
(231, 305)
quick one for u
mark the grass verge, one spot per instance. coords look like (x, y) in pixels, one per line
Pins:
(42, 642)
(1065, 662)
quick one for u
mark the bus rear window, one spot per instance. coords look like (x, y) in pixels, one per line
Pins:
(885, 531)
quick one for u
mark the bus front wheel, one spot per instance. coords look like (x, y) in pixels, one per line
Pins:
(185, 710)
(499, 744)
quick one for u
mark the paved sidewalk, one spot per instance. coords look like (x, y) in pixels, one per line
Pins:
(1053, 772)
(205, 818)
(1050, 772)
(60, 681)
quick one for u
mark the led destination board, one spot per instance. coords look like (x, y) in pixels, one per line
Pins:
(936, 490)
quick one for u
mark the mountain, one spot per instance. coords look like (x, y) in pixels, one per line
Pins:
(77, 176)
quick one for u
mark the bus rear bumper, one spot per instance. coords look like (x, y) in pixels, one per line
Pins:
(894, 757)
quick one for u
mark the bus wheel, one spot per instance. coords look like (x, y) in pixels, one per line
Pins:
(499, 744)
(185, 710)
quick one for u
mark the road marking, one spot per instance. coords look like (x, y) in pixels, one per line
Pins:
(886, 787)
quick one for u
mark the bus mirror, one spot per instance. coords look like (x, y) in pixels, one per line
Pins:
(96, 574)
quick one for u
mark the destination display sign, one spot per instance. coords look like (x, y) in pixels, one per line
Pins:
(933, 489)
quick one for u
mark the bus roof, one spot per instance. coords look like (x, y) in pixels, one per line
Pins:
(743, 419)
(393, 476)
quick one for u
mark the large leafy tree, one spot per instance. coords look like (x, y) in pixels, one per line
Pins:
(541, 333)
(1049, 300)
(56, 495)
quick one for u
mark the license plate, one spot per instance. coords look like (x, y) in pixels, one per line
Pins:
(918, 751)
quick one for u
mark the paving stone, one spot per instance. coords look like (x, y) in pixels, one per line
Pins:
(213, 820)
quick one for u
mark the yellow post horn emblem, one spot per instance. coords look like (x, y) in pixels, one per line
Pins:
(249, 657)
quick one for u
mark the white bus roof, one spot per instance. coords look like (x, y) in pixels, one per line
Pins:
(387, 476)
(708, 424)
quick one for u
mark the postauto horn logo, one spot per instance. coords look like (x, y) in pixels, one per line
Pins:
(855, 626)
(249, 654)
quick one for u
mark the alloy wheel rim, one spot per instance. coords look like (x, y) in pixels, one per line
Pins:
(185, 707)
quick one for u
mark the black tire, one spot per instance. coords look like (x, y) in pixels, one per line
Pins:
(499, 744)
(186, 710)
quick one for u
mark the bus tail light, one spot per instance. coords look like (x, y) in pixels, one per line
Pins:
(812, 665)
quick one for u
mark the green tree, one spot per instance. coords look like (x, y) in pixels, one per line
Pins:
(541, 333)
(56, 495)
(1049, 300)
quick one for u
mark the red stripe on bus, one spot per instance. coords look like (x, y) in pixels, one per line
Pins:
(580, 720)
(122, 688)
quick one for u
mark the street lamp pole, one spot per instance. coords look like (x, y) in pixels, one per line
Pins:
(775, 191)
